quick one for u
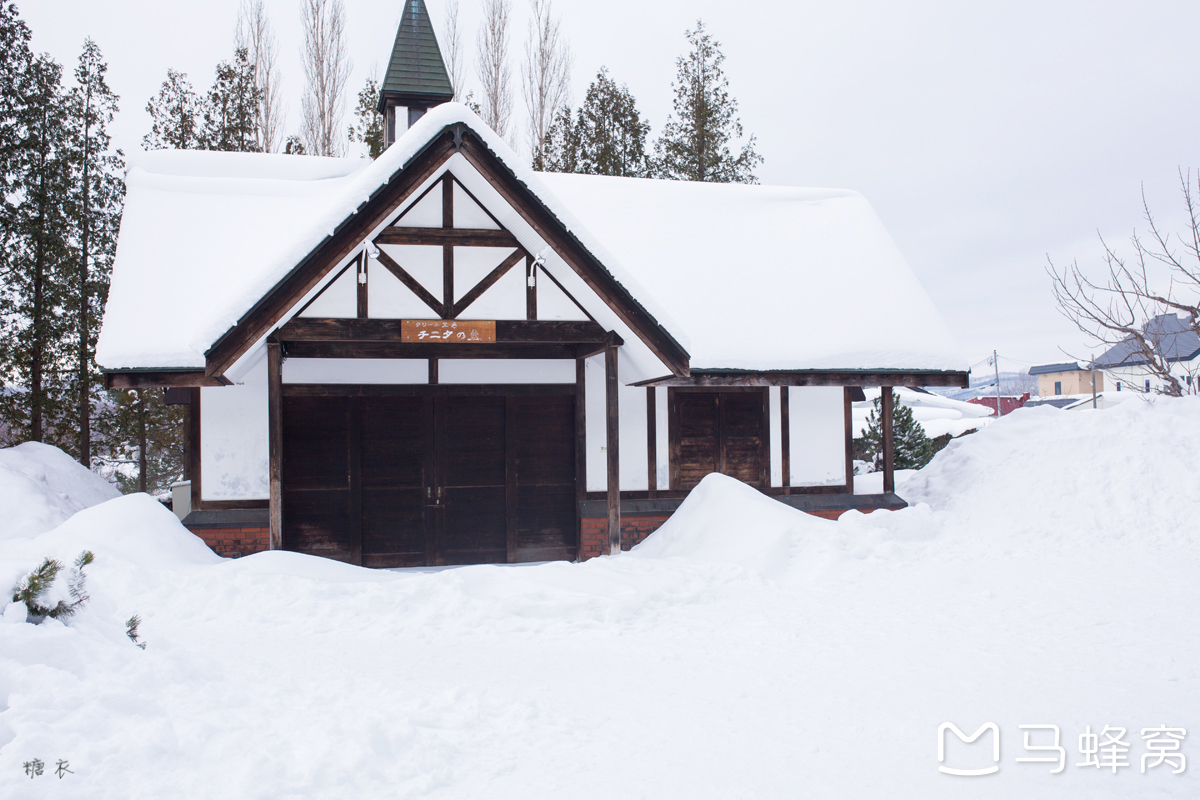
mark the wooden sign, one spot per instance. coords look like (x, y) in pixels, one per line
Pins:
(460, 331)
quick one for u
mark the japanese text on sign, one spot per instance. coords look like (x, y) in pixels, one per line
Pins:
(458, 331)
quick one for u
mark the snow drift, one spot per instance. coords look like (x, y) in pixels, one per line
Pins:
(1045, 574)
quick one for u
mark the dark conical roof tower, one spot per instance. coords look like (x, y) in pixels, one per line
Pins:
(416, 74)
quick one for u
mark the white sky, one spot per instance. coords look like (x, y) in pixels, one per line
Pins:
(987, 135)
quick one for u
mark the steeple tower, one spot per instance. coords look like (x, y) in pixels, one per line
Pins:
(416, 77)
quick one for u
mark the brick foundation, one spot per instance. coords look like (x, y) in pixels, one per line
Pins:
(235, 542)
(593, 540)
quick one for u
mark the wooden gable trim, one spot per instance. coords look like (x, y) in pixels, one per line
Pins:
(148, 378)
(272, 307)
(729, 378)
(593, 273)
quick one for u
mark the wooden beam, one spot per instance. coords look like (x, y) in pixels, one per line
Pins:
(674, 451)
(146, 379)
(192, 447)
(427, 390)
(530, 288)
(433, 371)
(510, 476)
(848, 418)
(612, 444)
(812, 378)
(314, 329)
(589, 269)
(362, 306)
(447, 237)
(267, 312)
(785, 438)
(354, 476)
(423, 350)
(889, 475)
(651, 443)
(487, 283)
(412, 283)
(580, 446)
(275, 440)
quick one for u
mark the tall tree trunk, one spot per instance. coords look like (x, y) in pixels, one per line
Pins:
(141, 440)
(85, 409)
(38, 323)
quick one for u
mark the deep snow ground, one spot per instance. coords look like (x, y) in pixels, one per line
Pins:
(1047, 573)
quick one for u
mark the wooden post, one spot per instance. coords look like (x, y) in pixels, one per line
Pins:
(433, 371)
(530, 289)
(885, 408)
(612, 443)
(447, 250)
(651, 443)
(361, 278)
(580, 448)
(275, 439)
(354, 442)
(785, 438)
(191, 448)
(510, 476)
(849, 421)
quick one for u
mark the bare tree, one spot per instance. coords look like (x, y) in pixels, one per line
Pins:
(492, 64)
(255, 34)
(326, 58)
(452, 39)
(1129, 312)
(546, 73)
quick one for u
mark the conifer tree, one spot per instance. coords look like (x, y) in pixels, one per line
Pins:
(695, 142)
(146, 453)
(912, 449)
(39, 257)
(368, 129)
(96, 198)
(232, 106)
(175, 116)
(15, 58)
(607, 136)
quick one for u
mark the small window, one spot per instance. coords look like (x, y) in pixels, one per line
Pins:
(1147, 385)
(1058, 387)
(1118, 386)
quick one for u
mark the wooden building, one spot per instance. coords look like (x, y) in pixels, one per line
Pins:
(442, 357)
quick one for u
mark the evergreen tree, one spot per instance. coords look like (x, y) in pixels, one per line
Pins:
(175, 116)
(294, 146)
(560, 151)
(610, 132)
(95, 201)
(912, 448)
(147, 436)
(694, 145)
(39, 260)
(15, 58)
(369, 126)
(231, 108)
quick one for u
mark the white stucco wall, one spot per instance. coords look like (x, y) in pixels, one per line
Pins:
(234, 440)
(818, 435)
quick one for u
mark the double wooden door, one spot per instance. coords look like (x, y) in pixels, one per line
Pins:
(461, 476)
(723, 431)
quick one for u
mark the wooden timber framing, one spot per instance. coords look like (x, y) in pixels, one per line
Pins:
(275, 441)
(848, 419)
(612, 446)
(307, 274)
(424, 350)
(447, 237)
(312, 329)
(191, 446)
(589, 269)
(732, 378)
(155, 378)
(651, 443)
(412, 283)
(489, 280)
(530, 288)
(885, 411)
(362, 304)
(428, 390)
(580, 445)
(785, 440)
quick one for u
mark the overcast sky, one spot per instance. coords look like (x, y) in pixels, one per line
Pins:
(987, 135)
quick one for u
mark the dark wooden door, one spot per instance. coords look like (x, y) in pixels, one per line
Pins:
(719, 431)
(409, 480)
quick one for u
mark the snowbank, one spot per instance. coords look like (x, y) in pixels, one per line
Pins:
(41, 486)
(1045, 573)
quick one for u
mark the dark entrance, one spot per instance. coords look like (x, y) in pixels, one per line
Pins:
(427, 475)
(725, 431)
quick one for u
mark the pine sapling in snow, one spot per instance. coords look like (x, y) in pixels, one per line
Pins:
(34, 586)
(131, 630)
(912, 449)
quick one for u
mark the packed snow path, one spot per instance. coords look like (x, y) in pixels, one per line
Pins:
(1047, 574)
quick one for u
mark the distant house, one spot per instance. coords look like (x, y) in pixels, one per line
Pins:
(1007, 404)
(1066, 378)
(1171, 336)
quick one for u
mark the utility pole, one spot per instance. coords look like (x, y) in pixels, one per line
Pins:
(1093, 382)
(996, 364)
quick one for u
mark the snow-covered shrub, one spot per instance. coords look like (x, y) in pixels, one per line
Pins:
(33, 587)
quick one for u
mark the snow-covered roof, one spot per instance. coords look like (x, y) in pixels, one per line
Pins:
(1170, 334)
(743, 277)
